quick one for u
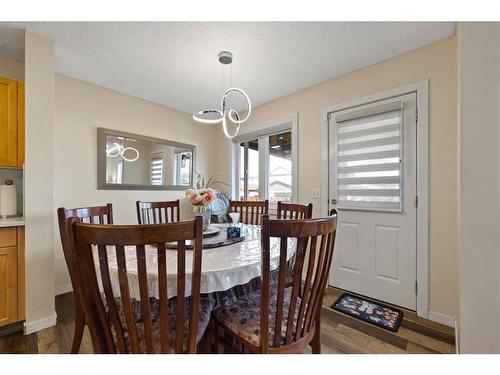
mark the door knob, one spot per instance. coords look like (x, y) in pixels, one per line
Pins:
(333, 201)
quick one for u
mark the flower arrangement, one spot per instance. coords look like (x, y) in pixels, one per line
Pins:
(200, 197)
(200, 200)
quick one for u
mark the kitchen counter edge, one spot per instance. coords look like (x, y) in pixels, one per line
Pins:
(12, 222)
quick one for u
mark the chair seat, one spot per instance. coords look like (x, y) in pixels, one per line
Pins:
(243, 317)
(203, 319)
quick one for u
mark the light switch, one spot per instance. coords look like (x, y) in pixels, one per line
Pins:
(315, 194)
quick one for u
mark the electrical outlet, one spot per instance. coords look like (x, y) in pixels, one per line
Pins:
(315, 194)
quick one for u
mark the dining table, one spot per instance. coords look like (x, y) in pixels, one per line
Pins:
(231, 267)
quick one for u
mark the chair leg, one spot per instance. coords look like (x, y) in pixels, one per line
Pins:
(205, 345)
(219, 347)
(79, 328)
(316, 341)
(211, 339)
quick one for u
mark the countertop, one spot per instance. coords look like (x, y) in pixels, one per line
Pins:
(11, 221)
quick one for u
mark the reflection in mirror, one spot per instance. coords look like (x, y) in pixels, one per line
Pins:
(133, 161)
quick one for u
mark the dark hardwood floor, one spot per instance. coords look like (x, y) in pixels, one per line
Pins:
(340, 334)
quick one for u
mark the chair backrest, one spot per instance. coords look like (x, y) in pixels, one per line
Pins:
(112, 321)
(250, 211)
(294, 211)
(158, 212)
(95, 214)
(315, 240)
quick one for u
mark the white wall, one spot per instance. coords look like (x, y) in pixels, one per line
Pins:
(39, 182)
(80, 108)
(479, 196)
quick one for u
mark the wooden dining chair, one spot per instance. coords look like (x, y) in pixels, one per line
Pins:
(250, 211)
(150, 325)
(298, 212)
(158, 212)
(294, 211)
(277, 319)
(96, 214)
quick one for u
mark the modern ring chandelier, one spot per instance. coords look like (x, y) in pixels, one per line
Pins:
(215, 116)
(119, 150)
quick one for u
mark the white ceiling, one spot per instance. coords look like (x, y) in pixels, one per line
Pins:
(175, 63)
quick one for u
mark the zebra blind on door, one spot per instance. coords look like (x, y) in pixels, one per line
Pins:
(369, 158)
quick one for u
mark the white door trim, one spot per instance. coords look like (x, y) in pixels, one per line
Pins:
(289, 122)
(422, 89)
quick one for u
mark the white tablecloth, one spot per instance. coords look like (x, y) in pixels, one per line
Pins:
(222, 268)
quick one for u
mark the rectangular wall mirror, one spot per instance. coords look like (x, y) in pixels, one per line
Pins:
(135, 162)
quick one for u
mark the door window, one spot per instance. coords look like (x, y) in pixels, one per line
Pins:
(369, 162)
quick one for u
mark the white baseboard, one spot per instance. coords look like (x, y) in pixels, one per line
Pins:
(30, 327)
(61, 289)
(441, 318)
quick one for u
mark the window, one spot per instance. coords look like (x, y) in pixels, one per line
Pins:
(265, 165)
(280, 168)
(182, 165)
(249, 171)
(369, 158)
(242, 180)
(156, 174)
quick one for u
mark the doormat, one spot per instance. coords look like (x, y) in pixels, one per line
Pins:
(369, 311)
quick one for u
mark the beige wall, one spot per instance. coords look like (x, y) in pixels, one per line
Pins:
(80, 109)
(436, 62)
(39, 183)
(479, 199)
(11, 69)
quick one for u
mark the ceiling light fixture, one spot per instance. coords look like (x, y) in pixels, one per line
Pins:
(215, 116)
(119, 150)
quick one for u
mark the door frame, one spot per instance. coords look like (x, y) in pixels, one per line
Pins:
(421, 88)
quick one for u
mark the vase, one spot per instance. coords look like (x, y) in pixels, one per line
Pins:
(204, 212)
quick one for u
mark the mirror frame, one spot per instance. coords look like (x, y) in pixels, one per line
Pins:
(102, 133)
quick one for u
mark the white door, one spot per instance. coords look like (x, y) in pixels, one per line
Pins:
(372, 166)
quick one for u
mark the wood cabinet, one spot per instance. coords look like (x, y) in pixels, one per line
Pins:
(11, 275)
(20, 124)
(11, 123)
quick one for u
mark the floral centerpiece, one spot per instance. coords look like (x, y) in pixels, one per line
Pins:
(200, 200)
(201, 197)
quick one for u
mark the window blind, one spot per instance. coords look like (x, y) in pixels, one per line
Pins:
(156, 173)
(369, 160)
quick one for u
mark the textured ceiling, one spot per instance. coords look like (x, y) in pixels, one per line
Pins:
(175, 63)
